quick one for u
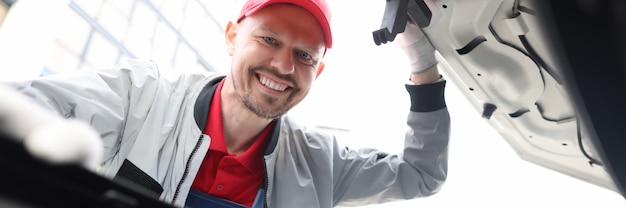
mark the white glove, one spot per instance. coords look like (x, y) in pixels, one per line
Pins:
(417, 47)
(46, 135)
(66, 141)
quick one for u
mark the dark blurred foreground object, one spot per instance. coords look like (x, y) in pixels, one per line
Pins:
(589, 39)
(28, 182)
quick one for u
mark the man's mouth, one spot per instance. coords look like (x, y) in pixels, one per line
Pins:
(269, 83)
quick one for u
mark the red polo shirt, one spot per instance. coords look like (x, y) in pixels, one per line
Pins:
(228, 176)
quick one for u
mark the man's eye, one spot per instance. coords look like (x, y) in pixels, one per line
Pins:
(304, 55)
(269, 40)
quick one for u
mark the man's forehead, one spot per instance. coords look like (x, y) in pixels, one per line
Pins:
(265, 26)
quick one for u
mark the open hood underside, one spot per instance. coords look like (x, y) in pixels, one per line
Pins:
(502, 57)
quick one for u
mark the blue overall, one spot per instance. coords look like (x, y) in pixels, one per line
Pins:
(197, 199)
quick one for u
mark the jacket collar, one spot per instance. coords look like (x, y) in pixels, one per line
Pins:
(201, 112)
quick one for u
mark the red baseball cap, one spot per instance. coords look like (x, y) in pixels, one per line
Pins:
(318, 8)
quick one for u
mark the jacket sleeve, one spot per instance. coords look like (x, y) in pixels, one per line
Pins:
(99, 97)
(369, 176)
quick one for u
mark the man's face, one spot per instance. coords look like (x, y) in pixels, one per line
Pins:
(276, 54)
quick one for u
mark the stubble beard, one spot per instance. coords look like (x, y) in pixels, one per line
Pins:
(254, 105)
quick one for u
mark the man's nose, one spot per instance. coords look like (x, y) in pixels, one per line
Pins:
(283, 61)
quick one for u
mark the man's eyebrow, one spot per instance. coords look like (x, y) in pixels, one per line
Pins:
(277, 34)
(270, 30)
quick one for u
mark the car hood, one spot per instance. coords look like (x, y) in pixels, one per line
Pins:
(502, 56)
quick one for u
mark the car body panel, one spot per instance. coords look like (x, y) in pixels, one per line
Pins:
(498, 54)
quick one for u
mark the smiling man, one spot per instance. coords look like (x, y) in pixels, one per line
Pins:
(225, 140)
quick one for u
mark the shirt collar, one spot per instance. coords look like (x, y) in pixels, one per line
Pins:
(252, 157)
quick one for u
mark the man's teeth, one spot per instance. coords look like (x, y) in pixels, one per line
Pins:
(272, 85)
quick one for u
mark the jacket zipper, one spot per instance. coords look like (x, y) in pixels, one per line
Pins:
(180, 183)
(266, 184)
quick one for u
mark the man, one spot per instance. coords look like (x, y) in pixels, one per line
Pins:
(215, 140)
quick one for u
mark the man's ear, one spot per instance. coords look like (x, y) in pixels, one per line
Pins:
(230, 34)
(320, 68)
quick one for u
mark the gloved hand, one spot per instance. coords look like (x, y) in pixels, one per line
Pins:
(417, 47)
(46, 135)
(66, 141)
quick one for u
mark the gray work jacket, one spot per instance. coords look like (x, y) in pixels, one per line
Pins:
(151, 125)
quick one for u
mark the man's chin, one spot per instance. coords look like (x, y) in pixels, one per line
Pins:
(270, 116)
(265, 112)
